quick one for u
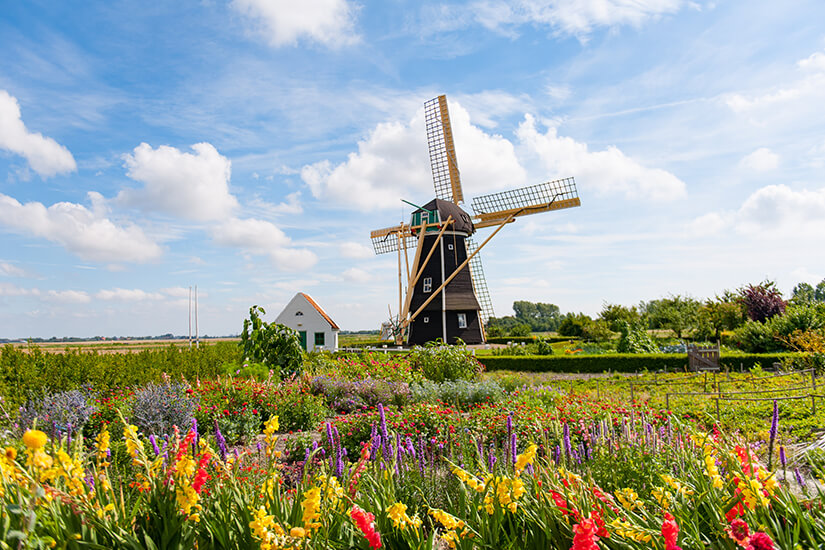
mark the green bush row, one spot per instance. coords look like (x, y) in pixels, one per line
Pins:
(25, 373)
(628, 362)
(527, 339)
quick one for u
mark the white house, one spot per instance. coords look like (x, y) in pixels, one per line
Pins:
(317, 329)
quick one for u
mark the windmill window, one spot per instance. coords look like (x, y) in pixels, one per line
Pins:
(428, 284)
(299, 313)
(449, 247)
(462, 320)
(426, 319)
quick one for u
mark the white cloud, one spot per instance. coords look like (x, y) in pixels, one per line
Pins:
(575, 17)
(780, 210)
(809, 87)
(608, 172)
(87, 233)
(264, 238)
(191, 186)
(393, 163)
(128, 295)
(708, 224)
(761, 160)
(8, 289)
(356, 275)
(284, 23)
(355, 250)
(11, 270)
(292, 205)
(67, 296)
(45, 155)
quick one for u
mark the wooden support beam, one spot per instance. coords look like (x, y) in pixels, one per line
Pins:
(411, 282)
(458, 270)
(400, 302)
(411, 286)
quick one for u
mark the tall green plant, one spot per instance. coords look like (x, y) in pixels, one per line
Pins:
(276, 346)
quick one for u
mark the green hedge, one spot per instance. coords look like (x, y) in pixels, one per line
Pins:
(34, 372)
(529, 339)
(625, 362)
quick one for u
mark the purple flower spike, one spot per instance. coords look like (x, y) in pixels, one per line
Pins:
(799, 478)
(775, 420)
(782, 458)
(566, 436)
(513, 457)
(154, 443)
(221, 440)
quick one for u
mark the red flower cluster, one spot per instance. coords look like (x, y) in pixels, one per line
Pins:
(364, 521)
(584, 535)
(670, 532)
(201, 476)
(739, 532)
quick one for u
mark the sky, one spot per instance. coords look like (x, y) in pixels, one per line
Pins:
(249, 146)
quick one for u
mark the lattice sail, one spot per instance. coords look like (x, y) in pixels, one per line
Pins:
(446, 178)
(386, 240)
(552, 195)
(479, 282)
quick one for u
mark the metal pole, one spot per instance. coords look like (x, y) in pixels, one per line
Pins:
(190, 316)
(197, 333)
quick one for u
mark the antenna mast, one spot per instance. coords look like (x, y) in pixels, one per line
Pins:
(197, 334)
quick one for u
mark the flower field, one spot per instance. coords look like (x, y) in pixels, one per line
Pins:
(343, 457)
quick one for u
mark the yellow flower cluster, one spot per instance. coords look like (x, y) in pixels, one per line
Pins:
(270, 428)
(625, 530)
(526, 458)
(311, 506)
(452, 524)
(469, 479)
(400, 520)
(36, 456)
(711, 470)
(134, 446)
(752, 493)
(68, 468)
(266, 531)
(332, 491)
(629, 499)
(102, 447)
(662, 496)
(9, 471)
(677, 485)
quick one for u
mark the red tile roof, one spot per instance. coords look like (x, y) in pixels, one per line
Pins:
(321, 311)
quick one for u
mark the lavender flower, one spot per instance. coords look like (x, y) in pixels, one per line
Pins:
(384, 435)
(782, 459)
(513, 457)
(566, 439)
(557, 455)
(799, 478)
(154, 443)
(219, 438)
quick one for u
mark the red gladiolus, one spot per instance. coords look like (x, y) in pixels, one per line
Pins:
(739, 532)
(760, 541)
(364, 521)
(670, 532)
(584, 535)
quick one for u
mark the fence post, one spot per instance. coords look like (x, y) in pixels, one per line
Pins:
(667, 401)
(598, 390)
(718, 416)
(813, 397)
(705, 383)
(631, 391)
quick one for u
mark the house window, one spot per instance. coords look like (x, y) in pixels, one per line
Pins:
(426, 319)
(299, 313)
(319, 339)
(428, 284)
(449, 247)
(462, 320)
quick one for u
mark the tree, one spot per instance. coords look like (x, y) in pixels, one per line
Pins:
(677, 313)
(276, 346)
(803, 293)
(540, 316)
(520, 331)
(819, 293)
(573, 324)
(722, 313)
(763, 301)
(614, 315)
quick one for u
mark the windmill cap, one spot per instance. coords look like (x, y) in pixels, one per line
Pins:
(461, 219)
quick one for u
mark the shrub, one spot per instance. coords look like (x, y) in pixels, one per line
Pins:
(300, 410)
(543, 347)
(273, 345)
(159, 407)
(635, 339)
(756, 337)
(57, 413)
(438, 362)
(763, 301)
(460, 393)
(521, 330)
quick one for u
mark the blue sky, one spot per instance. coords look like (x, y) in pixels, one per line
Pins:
(250, 146)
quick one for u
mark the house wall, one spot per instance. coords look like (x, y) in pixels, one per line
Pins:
(310, 322)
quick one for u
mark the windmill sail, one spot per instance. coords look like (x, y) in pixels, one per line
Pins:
(479, 282)
(544, 197)
(446, 178)
(386, 240)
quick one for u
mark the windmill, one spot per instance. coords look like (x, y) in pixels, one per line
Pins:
(446, 294)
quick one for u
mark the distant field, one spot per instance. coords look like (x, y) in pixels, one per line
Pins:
(118, 346)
